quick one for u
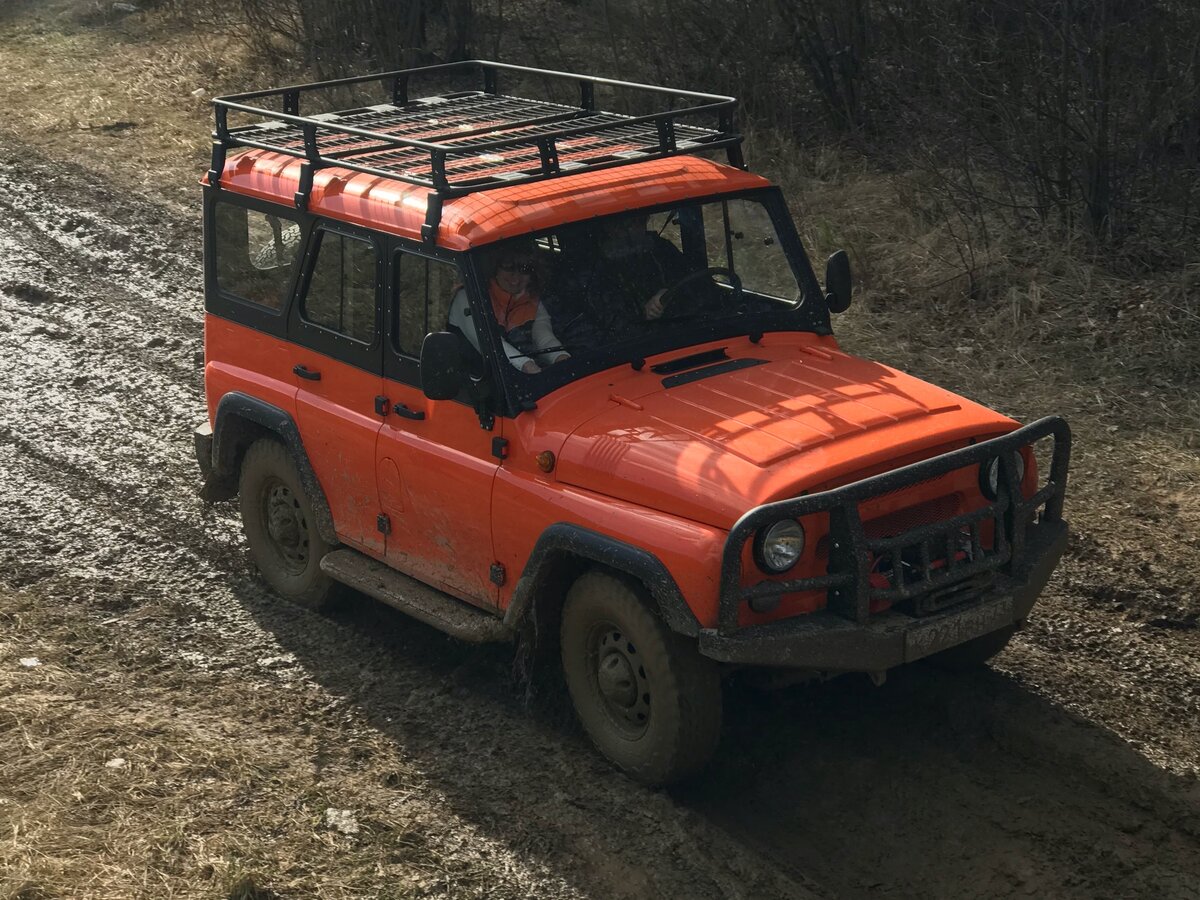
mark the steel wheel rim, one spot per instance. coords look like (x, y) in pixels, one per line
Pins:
(286, 526)
(619, 680)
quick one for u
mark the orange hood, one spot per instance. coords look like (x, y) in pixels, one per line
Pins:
(711, 448)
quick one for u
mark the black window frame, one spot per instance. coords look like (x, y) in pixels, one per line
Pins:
(402, 367)
(325, 340)
(225, 303)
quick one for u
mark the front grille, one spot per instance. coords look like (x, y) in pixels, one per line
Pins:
(937, 510)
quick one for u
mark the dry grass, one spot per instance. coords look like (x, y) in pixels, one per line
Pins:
(130, 773)
(127, 98)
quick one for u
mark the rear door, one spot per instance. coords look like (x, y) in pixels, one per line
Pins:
(435, 461)
(337, 363)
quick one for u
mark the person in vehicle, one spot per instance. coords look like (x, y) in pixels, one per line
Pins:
(514, 292)
(608, 293)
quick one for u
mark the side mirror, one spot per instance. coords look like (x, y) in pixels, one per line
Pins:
(837, 282)
(443, 371)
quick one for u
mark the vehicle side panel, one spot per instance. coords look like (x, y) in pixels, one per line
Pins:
(339, 427)
(435, 482)
(525, 503)
(238, 358)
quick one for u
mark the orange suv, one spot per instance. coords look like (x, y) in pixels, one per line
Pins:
(531, 367)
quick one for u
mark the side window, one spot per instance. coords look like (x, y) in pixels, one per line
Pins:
(254, 254)
(424, 290)
(341, 291)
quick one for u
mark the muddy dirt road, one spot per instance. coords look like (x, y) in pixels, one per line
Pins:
(1068, 770)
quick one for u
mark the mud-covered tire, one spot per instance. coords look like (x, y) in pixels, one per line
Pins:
(645, 696)
(280, 527)
(973, 653)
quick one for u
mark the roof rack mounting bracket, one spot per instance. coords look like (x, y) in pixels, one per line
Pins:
(433, 218)
(218, 164)
(221, 144)
(666, 135)
(312, 162)
(548, 151)
(306, 183)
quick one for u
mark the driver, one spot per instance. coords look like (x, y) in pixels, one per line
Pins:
(613, 291)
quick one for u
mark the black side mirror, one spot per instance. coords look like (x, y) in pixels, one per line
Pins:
(443, 371)
(837, 282)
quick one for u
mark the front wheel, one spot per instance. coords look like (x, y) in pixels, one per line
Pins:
(280, 528)
(646, 697)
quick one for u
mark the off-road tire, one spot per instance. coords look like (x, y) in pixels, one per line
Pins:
(974, 653)
(675, 690)
(288, 548)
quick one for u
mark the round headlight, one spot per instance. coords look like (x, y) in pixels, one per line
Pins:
(778, 547)
(989, 475)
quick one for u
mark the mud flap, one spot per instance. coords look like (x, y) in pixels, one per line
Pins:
(944, 632)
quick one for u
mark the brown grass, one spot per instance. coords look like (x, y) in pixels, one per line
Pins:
(129, 772)
(119, 97)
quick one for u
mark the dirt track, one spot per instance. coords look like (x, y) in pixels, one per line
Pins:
(130, 588)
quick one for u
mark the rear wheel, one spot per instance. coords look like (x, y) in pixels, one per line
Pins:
(645, 696)
(973, 653)
(280, 528)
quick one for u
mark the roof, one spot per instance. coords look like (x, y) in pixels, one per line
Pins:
(392, 206)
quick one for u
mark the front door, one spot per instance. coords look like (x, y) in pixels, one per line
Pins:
(337, 363)
(434, 463)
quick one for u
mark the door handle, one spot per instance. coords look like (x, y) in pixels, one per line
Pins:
(306, 373)
(401, 410)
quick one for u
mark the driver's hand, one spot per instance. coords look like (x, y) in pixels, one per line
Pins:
(562, 357)
(530, 367)
(654, 306)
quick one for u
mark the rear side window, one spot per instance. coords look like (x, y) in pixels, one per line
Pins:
(341, 292)
(255, 253)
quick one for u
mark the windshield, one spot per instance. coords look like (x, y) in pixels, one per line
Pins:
(599, 293)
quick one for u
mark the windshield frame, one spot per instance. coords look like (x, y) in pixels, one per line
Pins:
(521, 391)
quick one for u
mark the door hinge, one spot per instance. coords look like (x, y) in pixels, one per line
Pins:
(497, 573)
(384, 523)
(500, 448)
(382, 405)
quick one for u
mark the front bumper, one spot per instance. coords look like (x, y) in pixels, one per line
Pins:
(1029, 536)
(829, 642)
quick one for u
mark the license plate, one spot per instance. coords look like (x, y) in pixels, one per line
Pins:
(957, 628)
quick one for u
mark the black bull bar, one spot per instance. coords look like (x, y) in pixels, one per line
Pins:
(924, 560)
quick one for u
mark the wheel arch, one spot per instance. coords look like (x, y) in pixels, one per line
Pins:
(564, 551)
(240, 421)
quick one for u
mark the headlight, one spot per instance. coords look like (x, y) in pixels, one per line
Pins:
(989, 475)
(778, 547)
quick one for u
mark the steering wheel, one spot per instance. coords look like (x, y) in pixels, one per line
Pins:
(671, 294)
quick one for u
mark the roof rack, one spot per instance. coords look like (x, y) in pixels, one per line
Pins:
(462, 142)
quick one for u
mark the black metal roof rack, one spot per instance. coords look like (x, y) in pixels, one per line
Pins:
(461, 142)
